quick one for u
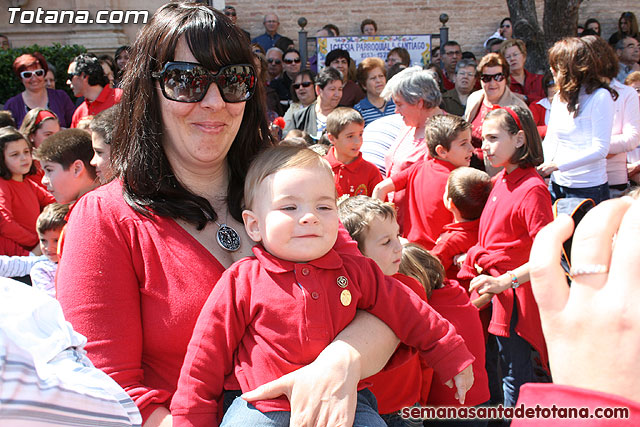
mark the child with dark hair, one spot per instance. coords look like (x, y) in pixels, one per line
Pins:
(102, 127)
(449, 143)
(519, 206)
(68, 174)
(21, 200)
(465, 195)
(353, 175)
(66, 160)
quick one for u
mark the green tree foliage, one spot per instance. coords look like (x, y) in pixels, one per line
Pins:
(60, 56)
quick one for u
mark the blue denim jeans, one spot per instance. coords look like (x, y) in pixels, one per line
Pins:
(243, 414)
(598, 194)
(516, 362)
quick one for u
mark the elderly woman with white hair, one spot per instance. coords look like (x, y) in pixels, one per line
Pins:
(417, 97)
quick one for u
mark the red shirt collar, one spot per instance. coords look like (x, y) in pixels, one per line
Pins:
(330, 260)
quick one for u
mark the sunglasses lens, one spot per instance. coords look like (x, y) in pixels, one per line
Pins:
(498, 77)
(236, 83)
(184, 82)
(39, 73)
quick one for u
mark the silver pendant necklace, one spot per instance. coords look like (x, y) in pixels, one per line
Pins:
(227, 237)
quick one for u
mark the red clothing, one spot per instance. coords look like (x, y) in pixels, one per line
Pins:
(122, 270)
(563, 396)
(20, 204)
(406, 150)
(457, 238)
(358, 178)
(409, 383)
(426, 214)
(518, 207)
(267, 317)
(532, 88)
(446, 83)
(538, 112)
(107, 98)
(476, 130)
(452, 302)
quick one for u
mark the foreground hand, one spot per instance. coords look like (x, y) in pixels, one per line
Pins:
(484, 284)
(463, 382)
(592, 328)
(323, 393)
(547, 168)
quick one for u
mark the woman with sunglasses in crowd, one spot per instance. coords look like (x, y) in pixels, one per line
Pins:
(142, 253)
(493, 72)
(581, 120)
(303, 93)
(31, 68)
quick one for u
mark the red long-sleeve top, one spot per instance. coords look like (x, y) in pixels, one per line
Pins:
(408, 383)
(20, 204)
(452, 302)
(267, 317)
(426, 214)
(457, 238)
(518, 207)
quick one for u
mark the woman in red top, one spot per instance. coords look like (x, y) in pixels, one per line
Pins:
(518, 207)
(143, 252)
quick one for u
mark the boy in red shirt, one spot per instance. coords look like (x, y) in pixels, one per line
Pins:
(449, 142)
(65, 158)
(372, 224)
(353, 175)
(465, 195)
(272, 313)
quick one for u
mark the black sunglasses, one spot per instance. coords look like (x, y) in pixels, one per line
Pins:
(487, 77)
(72, 75)
(272, 60)
(296, 86)
(28, 74)
(291, 61)
(230, 13)
(189, 82)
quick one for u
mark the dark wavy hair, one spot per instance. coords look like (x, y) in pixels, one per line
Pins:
(138, 157)
(530, 153)
(579, 63)
(10, 134)
(90, 65)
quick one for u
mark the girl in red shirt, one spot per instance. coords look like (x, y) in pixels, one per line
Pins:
(21, 200)
(518, 207)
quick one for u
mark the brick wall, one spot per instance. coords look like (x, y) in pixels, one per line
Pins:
(467, 24)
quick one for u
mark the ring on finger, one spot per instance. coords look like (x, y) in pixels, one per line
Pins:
(584, 269)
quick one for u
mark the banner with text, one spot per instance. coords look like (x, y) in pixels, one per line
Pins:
(361, 47)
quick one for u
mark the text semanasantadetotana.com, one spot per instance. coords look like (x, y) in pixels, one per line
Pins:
(519, 412)
(42, 16)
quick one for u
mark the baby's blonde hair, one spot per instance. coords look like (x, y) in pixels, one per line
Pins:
(277, 158)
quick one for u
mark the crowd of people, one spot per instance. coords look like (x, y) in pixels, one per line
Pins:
(245, 239)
